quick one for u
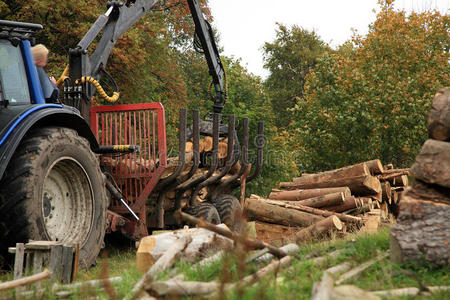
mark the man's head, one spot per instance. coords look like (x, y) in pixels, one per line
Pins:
(40, 55)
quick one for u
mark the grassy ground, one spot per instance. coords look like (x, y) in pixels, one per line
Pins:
(292, 282)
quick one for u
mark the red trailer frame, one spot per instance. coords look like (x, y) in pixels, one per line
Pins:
(136, 174)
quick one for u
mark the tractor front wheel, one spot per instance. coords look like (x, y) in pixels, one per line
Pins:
(53, 189)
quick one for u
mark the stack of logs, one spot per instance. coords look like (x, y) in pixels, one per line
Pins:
(422, 235)
(351, 194)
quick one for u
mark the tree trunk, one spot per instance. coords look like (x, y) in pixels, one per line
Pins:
(317, 229)
(311, 210)
(261, 211)
(386, 191)
(268, 232)
(424, 191)
(439, 117)
(422, 234)
(323, 201)
(306, 194)
(433, 163)
(360, 185)
(375, 166)
(349, 203)
(350, 171)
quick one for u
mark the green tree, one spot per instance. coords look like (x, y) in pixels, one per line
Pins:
(371, 98)
(291, 57)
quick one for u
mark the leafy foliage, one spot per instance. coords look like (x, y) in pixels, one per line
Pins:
(292, 55)
(370, 99)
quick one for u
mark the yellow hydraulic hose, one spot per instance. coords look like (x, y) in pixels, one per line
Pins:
(92, 81)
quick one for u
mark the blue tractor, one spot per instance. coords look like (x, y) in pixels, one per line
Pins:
(70, 172)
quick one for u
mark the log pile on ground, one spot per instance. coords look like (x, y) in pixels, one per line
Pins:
(360, 195)
(422, 235)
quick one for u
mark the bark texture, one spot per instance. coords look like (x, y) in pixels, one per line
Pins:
(422, 234)
(433, 163)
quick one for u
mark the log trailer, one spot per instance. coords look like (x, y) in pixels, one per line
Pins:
(71, 172)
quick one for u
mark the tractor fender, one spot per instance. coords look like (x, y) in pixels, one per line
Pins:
(16, 121)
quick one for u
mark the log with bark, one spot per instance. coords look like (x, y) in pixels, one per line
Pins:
(266, 212)
(268, 232)
(439, 117)
(422, 234)
(359, 185)
(432, 164)
(307, 193)
(311, 210)
(323, 201)
(248, 242)
(349, 203)
(349, 171)
(151, 248)
(386, 191)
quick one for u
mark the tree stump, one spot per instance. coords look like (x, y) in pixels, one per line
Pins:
(422, 234)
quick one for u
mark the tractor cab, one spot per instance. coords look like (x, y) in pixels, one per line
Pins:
(19, 81)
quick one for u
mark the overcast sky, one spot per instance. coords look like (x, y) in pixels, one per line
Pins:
(244, 25)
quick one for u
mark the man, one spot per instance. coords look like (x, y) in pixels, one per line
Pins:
(49, 88)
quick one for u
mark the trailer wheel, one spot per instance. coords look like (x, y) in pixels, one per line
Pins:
(229, 210)
(53, 189)
(205, 211)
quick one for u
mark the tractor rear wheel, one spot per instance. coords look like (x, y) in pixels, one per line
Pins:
(205, 211)
(229, 210)
(53, 189)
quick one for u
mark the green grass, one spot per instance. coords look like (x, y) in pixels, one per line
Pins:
(292, 282)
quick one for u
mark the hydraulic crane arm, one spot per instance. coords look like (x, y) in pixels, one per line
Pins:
(206, 36)
(118, 18)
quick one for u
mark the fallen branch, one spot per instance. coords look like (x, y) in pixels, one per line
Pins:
(323, 290)
(247, 241)
(164, 262)
(359, 269)
(25, 280)
(409, 291)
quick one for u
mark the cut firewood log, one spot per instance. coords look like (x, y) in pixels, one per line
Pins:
(317, 229)
(422, 233)
(189, 147)
(394, 196)
(432, 164)
(265, 212)
(268, 232)
(223, 150)
(359, 185)
(246, 241)
(322, 201)
(384, 210)
(207, 143)
(173, 163)
(439, 117)
(350, 171)
(306, 194)
(371, 223)
(388, 167)
(311, 210)
(386, 191)
(400, 181)
(375, 166)
(365, 201)
(349, 203)
(151, 248)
